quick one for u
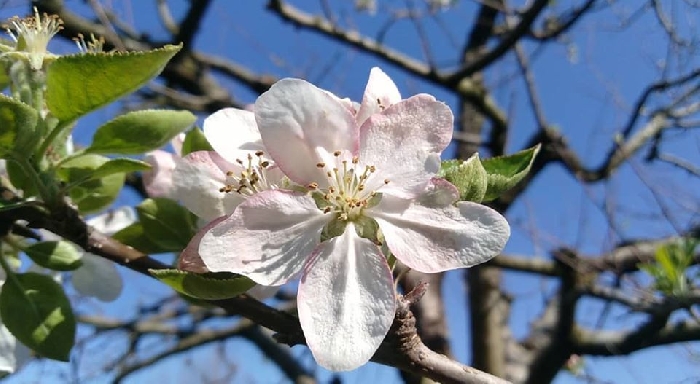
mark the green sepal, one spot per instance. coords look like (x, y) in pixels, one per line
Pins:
(207, 286)
(90, 194)
(166, 223)
(55, 255)
(139, 131)
(18, 122)
(468, 176)
(37, 312)
(81, 83)
(135, 237)
(195, 141)
(504, 172)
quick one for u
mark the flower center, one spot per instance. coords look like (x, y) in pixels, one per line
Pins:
(252, 179)
(351, 187)
(91, 45)
(33, 33)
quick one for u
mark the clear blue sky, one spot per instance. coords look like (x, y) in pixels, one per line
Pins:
(587, 94)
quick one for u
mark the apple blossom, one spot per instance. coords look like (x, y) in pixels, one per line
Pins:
(212, 183)
(369, 179)
(158, 181)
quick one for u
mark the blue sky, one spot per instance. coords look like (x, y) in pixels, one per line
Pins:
(586, 87)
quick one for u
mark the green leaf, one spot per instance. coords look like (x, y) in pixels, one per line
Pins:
(207, 286)
(135, 237)
(114, 166)
(504, 172)
(35, 310)
(78, 84)
(17, 126)
(140, 131)
(195, 141)
(468, 176)
(95, 193)
(55, 255)
(166, 223)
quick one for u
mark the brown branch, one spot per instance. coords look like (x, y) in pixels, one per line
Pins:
(615, 343)
(190, 25)
(507, 42)
(324, 27)
(402, 347)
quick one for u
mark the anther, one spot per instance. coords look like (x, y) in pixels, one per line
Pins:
(320, 165)
(313, 185)
(259, 153)
(336, 153)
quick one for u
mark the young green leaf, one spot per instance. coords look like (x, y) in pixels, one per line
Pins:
(17, 126)
(114, 166)
(36, 311)
(78, 84)
(95, 193)
(135, 237)
(504, 172)
(55, 255)
(195, 141)
(207, 286)
(166, 223)
(140, 131)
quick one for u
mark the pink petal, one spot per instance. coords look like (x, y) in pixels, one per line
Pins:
(158, 180)
(440, 238)
(197, 181)
(301, 125)
(268, 237)
(233, 133)
(346, 301)
(438, 193)
(380, 93)
(189, 259)
(404, 143)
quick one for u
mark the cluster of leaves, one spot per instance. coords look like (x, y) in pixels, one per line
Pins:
(35, 123)
(671, 267)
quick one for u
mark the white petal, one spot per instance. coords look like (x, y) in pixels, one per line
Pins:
(300, 124)
(439, 239)
(197, 181)
(177, 143)
(114, 221)
(158, 180)
(189, 259)
(98, 278)
(404, 143)
(8, 343)
(233, 133)
(380, 93)
(267, 238)
(346, 301)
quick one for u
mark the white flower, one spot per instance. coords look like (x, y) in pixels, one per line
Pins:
(158, 181)
(32, 35)
(362, 170)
